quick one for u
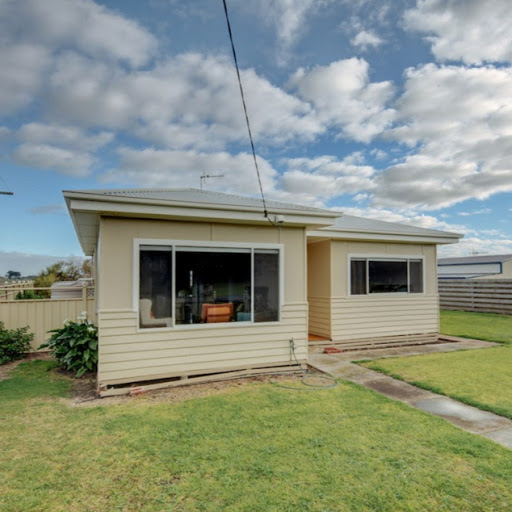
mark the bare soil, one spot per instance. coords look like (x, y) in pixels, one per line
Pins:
(84, 390)
(84, 393)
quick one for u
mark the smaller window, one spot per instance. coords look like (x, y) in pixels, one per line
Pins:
(381, 275)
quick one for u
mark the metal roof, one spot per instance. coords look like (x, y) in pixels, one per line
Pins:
(202, 197)
(494, 258)
(361, 224)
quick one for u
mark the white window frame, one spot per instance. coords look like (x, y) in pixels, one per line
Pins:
(385, 257)
(203, 245)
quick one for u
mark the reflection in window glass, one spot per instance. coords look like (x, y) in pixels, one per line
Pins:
(155, 290)
(387, 276)
(358, 277)
(415, 276)
(266, 286)
(213, 286)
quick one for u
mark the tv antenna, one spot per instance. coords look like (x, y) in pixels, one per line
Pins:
(205, 176)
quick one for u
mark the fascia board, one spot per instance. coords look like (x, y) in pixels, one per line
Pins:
(123, 209)
(452, 238)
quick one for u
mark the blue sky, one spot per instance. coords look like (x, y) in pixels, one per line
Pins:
(397, 110)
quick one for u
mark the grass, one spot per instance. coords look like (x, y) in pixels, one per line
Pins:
(482, 378)
(251, 448)
(480, 326)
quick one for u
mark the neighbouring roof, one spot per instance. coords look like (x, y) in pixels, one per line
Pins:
(87, 206)
(493, 258)
(350, 227)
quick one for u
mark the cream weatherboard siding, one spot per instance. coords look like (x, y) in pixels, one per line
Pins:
(127, 354)
(336, 314)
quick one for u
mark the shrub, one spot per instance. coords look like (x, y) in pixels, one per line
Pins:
(75, 346)
(29, 295)
(14, 343)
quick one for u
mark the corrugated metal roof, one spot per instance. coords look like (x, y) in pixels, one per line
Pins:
(352, 223)
(494, 258)
(205, 197)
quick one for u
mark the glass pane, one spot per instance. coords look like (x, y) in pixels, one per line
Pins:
(387, 276)
(416, 276)
(155, 287)
(266, 286)
(212, 287)
(358, 277)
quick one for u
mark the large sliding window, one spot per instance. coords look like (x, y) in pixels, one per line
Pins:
(180, 285)
(385, 275)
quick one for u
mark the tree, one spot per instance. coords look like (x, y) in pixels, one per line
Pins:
(65, 270)
(12, 274)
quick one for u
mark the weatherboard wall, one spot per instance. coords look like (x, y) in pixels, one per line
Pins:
(382, 315)
(127, 354)
(344, 318)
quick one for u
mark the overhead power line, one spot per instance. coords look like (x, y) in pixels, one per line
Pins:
(245, 110)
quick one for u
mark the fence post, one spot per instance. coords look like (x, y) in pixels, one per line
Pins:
(84, 297)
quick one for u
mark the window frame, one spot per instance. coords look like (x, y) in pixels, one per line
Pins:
(176, 245)
(386, 257)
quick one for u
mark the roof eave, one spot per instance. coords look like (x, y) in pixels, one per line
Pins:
(93, 207)
(382, 236)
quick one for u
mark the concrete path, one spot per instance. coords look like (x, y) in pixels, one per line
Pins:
(474, 420)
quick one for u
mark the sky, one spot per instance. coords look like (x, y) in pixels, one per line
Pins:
(398, 110)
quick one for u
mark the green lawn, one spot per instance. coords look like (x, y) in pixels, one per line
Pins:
(252, 448)
(480, 326)
(482, 378)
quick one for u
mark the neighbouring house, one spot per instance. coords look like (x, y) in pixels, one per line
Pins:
(192, 282)
(476, 267)
(70, 289)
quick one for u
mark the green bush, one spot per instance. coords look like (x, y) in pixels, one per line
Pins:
(29, 295)
(75, 346)
(14, 343)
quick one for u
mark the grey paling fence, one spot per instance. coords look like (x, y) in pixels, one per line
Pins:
(484, 295)
(41, 315)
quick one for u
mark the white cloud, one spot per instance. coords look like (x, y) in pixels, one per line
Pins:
(460, 120)
(22, 66)
(475, 212)
(288, 17)
(366, 38)
(473, 31)
(187, 101)
(80, 24)
(410, 217)
(343, 96)
(65, 136)
(45, 156)
(167, 168)
(26, 263)
(326, 177)
(476, 244)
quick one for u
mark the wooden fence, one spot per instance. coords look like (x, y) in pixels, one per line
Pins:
(9, 289)
(41, 315)
(484, 295)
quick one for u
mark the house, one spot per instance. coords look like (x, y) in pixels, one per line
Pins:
(476, 267)
(70, 289)
(194, 283)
